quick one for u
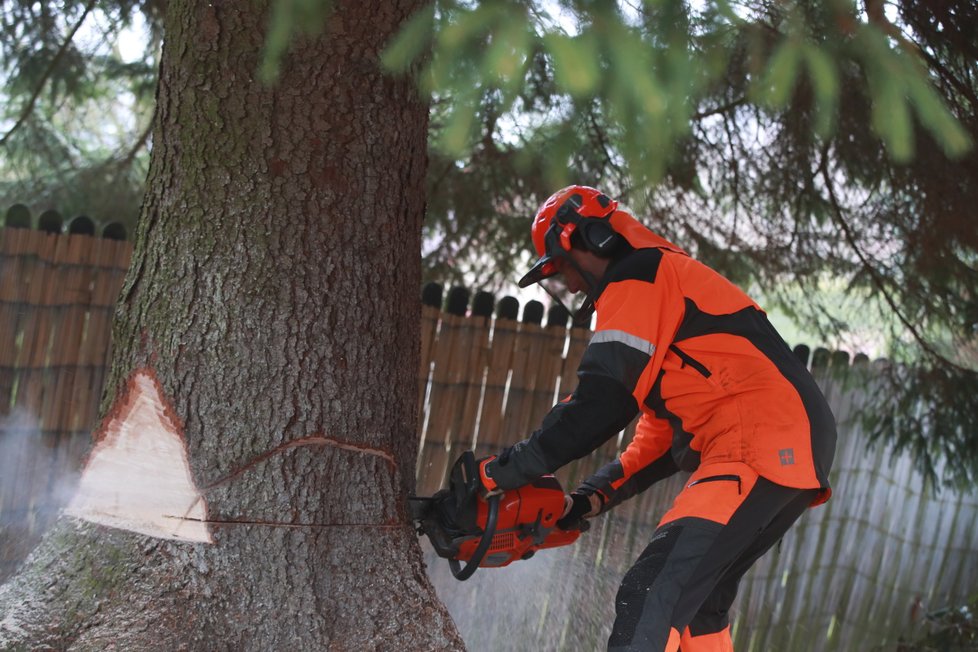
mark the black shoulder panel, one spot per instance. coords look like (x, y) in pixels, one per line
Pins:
(640, 264)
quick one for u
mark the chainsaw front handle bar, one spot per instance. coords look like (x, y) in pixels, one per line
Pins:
(463, 574)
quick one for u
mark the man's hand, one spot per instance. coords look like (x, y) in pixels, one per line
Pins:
(578, 506)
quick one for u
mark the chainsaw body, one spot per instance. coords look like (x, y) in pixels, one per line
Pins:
(463, 525)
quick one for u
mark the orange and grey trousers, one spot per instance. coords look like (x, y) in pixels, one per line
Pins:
(677, 594)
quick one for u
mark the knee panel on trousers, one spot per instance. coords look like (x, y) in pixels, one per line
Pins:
(646, 605)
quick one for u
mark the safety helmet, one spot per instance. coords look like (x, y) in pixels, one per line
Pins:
(596, 217)
(573, 209)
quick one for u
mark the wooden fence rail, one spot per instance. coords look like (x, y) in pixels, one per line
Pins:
(856, 574)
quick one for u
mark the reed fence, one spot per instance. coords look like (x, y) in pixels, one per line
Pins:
(859, 573)
(856, 574)
(57, 295)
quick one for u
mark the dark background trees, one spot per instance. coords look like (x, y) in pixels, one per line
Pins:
(77, 109)
(792, 145)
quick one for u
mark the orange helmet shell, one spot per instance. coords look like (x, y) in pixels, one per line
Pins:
(552, 229)
(593, 203)
(557, 220)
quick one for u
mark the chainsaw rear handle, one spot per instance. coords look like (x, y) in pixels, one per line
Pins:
(488, 483)
(488, 533)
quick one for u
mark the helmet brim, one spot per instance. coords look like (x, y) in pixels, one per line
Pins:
(542, 269)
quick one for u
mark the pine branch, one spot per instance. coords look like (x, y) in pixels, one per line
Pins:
(722, 109)
(599, 134)
(29, 107)
(876, 15)
(945, 73)
(874, 274)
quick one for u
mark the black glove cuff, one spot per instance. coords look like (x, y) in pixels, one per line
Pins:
(574, 518)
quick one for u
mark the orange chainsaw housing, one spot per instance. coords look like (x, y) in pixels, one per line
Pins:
(527, 522)
(466, 523)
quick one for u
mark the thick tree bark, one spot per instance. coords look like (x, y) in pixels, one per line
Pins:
(264, 369)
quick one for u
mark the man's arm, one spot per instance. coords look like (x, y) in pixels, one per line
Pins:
(598, 409)
(646, 460)
(638, 315)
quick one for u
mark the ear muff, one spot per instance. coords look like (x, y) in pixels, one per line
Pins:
(598, 236)
(596, 233)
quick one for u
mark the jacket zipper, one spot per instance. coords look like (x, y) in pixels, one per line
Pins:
(691, 361)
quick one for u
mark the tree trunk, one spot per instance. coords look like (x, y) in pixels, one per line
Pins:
(247, 487)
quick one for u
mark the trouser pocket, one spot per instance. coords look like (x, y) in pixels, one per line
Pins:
(727, 477)
(713, 492)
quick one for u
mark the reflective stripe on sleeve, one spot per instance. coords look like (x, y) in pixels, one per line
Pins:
(633, 341)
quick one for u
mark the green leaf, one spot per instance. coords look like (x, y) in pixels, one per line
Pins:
(683, 83)
(726, 10)
(634, 73)
(936, 117)
(897, 83)
(825, 82)
(288, 18)
(778, 80)
(468, 25)
(505, 60)
(575, 61)
(411, 41)
(891, 118)
(456, 137)
(280, 28)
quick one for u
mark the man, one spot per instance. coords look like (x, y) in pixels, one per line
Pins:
(720, 394)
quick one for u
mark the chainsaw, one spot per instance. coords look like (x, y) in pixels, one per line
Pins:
(466, 524)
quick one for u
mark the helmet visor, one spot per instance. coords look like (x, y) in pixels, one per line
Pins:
(557, 287)
(543, 268)
(546, 266)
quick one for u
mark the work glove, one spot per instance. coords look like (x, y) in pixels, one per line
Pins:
(577, 507)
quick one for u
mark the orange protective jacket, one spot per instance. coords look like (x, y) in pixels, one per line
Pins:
(712, 379)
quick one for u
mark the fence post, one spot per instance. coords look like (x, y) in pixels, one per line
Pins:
(50, 222)
(18, 217)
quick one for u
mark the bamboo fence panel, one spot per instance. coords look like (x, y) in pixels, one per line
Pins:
(858, 573)
(57, 295)
(504, 334)
(474, 352)
(429, 330)
(523, 379)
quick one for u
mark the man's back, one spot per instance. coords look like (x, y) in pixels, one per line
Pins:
(721, 375)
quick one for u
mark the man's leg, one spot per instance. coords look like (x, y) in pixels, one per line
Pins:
(714, 523)
(709, 630)
(654, 585)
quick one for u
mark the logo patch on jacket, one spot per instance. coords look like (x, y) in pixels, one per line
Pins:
(787, 456)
